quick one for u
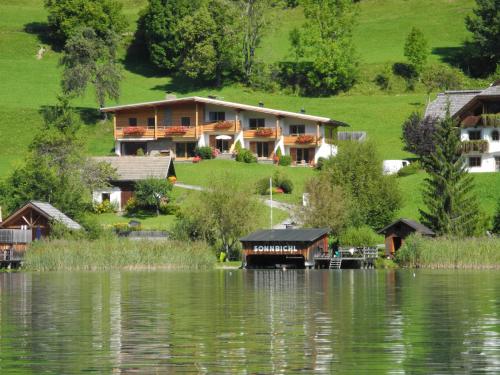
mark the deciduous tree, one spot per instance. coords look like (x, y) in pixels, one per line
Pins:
(68, 16)
(418, 134)
(152, 192)
(416, 50)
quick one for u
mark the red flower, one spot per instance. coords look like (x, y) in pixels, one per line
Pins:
(134, 130)
(304, 139)
(264, 132)
(176, 130)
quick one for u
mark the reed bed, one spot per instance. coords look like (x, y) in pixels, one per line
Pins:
(115, 253)
(459, 253)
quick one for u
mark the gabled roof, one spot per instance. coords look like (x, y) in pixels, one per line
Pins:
(47, 210)
(459, 100)
(223, 103)
(135, 168)
(420, 228)
(290, 235)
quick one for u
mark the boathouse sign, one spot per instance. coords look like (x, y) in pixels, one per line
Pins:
(275, 248)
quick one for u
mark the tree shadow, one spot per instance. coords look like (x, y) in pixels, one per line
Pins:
(183, 85)
(89, 116)
(42, 31)
(450, 55)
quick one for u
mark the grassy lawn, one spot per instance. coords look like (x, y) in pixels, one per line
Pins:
(183, 196)
(201, 174)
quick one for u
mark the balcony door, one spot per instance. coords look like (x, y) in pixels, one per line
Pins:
(185, 149)
(262, 149)
(497, 163)
(302, 154)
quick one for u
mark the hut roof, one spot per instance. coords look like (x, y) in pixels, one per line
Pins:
(290, 235)
(47, 210)
(136, 168)
(458, 100)
(420, 228)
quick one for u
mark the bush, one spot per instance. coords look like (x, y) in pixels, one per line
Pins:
(169, 209)
(383, 79)
(360, 236)
(105, 207)
(281, 180)
(204, 152)
(410, 169)
(281, 184)
(132, 206)
(285, 160)
(320, 163)
(245, 156)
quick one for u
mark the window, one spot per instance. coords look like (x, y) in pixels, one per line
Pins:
(132, 121)
(474, 135)
(263, 149)
(106, 197)
(185, 150)
(495, 136)
(151, 121)
(475, 161)
(185, 121)
(216, 116)
(255, 123)
(303, 154)
(297, 129)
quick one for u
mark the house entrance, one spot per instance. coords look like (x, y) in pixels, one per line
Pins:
(131, 148)
(396, 241)
(185, 149)
(302, 154)
(223, 145)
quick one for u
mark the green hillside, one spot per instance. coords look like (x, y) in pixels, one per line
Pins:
(28, 84)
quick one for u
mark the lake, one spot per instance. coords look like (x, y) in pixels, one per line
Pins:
(223, 321)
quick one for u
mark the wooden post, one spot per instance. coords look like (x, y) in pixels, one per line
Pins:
(317, 133)
(114, 125)
(156, 123)
(277, 127)
(196, 120)
(237, 120)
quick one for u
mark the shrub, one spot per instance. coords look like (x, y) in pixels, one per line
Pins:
(359, 236)
(246, 156)
(105, 207)
(132, 206)
(383, 79)
(409, 169)
(204, 152)
(285, 160)
(169, 209)
(320, 163)
(281, 184)
(140, 152)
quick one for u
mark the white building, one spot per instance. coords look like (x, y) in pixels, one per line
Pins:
(478, 113)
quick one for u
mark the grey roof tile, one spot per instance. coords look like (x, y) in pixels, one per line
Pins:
(135, 168)
(54, 214)
(291, 235)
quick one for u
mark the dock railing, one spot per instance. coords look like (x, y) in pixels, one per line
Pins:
(356, 253)
(15, 236)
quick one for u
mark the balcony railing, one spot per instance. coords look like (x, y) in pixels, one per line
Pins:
(135, 132)
(260, 133)
(480, 146)
(300, 139)
(176, 131)
(232, 126)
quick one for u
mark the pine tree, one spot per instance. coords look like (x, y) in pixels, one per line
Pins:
(452, 206)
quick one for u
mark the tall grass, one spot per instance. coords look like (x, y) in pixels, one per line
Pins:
(114, 253)
(472, 253)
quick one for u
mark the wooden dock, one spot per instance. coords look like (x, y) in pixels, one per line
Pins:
(356, 257)
(13, 244)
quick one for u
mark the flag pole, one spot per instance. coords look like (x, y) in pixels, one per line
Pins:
(271, 194)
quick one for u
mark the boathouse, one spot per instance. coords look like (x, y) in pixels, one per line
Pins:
(278, 248)
(37, 217)
(396, 233)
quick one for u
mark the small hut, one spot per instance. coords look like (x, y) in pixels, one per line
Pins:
(38, 218)
(130, 170)
(396, 233)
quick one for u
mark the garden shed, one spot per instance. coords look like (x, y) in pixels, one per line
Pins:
(129, 170)
(396, 233)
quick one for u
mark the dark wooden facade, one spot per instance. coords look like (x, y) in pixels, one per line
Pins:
(397, 232)
(284, 248)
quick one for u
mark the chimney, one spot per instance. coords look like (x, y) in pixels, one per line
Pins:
(261, 104)
(302, 110)
(170, 96)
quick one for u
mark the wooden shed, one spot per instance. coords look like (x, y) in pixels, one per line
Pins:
(396, 233)
(291, 248)
(38, 218)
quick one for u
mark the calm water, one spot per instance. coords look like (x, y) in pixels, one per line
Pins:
(349, 321)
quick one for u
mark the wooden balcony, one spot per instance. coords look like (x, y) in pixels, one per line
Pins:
(135, 132)
(229, 126)
(295, 140)
(254, 133)
(176, 132)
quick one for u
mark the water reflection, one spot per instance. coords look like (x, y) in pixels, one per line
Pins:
(349, 321)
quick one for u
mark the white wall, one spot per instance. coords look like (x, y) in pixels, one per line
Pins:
(115, 195)
(310, 126)
(270, 121)
(487, 163)
(230, 113)
(487, 159)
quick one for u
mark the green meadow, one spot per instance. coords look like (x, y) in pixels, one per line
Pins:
(29, 84)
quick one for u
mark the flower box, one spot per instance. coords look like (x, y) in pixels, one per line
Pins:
(481, 146)
(134, 130)
(264, 132)
(223, 125)
(304, 139)
(491, 119)
(176, 130)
